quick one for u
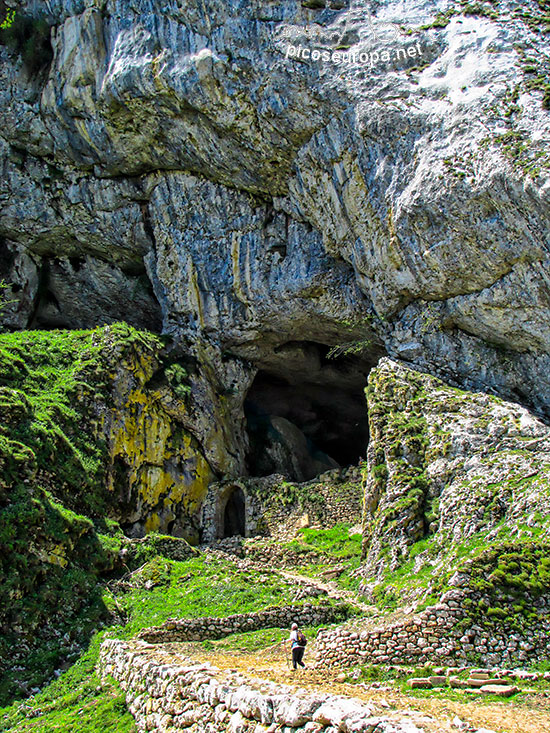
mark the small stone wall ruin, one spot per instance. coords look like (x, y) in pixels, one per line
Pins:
(274, 507)
(197, 629)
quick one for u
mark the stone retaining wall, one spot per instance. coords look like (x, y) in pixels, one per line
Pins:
(197, 629)
(166, 693)
(439, 635)
(333, 498)
(258, 550)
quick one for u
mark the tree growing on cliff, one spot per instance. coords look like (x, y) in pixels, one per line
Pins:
(28, 37)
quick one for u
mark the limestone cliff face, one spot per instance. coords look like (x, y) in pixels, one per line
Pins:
(157, 475)
(102, 429)
(178, 166)
(449, 472)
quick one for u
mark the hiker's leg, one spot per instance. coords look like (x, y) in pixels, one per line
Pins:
(300, 656)
(295, 651)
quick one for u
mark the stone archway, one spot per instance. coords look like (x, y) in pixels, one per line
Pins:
(234, 514)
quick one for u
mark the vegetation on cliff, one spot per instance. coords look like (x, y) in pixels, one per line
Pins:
(56, 539)
(29, 38)
(457, 483)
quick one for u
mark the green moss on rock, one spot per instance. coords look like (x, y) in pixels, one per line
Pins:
(64, 399)
(450, 473)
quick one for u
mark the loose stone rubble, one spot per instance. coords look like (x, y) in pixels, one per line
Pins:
(491, 682)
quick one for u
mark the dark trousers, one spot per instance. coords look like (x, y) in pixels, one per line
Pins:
(297, 656)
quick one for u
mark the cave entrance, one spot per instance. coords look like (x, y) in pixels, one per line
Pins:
(307, 413)
(234, 521)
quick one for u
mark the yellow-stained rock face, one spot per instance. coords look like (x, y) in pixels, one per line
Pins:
(57, 556)
(98, 434)
(165, 476)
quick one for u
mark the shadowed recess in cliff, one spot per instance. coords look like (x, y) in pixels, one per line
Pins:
(306, 412)
(234, 522)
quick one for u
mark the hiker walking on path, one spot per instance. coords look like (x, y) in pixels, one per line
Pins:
(298, 645)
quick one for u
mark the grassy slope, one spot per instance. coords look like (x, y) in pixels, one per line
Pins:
(322, 549)
(77, 701)
(55, 540)
(57, 549)
(203, 586)
(161, 589)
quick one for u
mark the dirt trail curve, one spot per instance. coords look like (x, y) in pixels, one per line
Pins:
(433, 714)
(374, 618)
(330, 588)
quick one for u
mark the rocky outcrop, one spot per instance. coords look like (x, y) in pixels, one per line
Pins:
(111, 436)
(452, 469)
(89, 434)
(191, 165)
(159, 476)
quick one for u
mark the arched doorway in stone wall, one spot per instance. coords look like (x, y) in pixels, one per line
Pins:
(234, 514)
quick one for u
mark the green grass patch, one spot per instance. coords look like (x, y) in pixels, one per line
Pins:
(335, 542)
(321, 550)
(257, 641)
(77, 701)
(202, 586)
(161, 589)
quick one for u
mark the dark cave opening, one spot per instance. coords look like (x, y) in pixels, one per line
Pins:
(307, 412)
(234, 515)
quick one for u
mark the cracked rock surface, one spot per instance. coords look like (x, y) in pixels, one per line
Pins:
(179, 166)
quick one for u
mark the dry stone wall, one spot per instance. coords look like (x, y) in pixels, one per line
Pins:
(197, 629)
(441, 635)
(258, 551)
(166, 692)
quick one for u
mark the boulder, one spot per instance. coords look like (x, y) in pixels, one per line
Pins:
(420, 683)
(500, 690)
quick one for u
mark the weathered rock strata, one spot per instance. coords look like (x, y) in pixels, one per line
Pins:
(270, 199)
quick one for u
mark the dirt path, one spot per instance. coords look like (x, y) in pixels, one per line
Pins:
(330, 588)
(531, 714)
(374, 617)
(433, 714)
